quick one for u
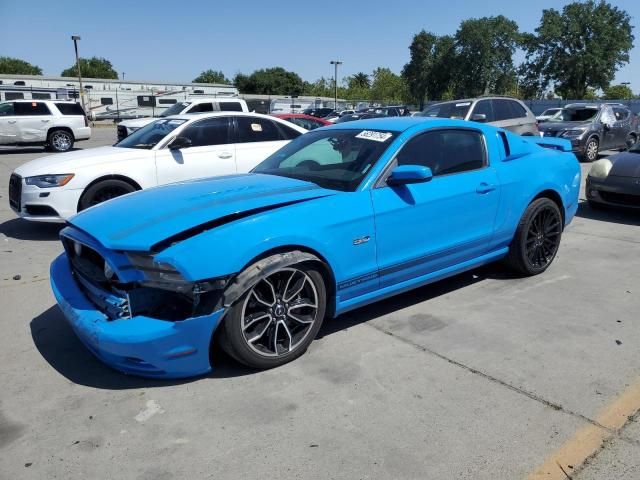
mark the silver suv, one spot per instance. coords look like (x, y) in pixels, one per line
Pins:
(56, 124)
(504, 112)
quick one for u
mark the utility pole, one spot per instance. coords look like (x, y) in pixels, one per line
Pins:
(335, 63)
(75, 39)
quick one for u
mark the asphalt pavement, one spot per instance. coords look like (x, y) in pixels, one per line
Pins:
(481, 376)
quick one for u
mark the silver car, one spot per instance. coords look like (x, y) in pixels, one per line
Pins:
(504, 112)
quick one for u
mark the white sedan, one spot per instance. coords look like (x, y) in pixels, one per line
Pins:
(172, 149)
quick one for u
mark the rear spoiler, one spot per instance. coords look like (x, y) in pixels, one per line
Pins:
(550, 142)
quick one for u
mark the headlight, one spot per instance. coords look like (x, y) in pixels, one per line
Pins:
(601, 168)
(573, 133)
(155, 271)
(48, 181)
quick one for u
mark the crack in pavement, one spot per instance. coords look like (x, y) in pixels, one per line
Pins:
(491, 378)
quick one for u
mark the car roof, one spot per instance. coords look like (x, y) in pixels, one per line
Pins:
(399, 124)
(201, 115)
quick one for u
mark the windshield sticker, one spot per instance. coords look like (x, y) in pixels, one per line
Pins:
(375, 136)
(463, 104)
(256, 127)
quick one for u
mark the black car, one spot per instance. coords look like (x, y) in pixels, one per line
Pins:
(395, 111)
(593, 127)
(318, 112)
(359, 116)
(615, 180)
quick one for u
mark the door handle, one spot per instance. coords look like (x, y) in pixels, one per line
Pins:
(485, 188)
(12, 121)
(225, 155)
(45, 121)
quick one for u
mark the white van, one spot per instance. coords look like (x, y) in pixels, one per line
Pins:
(200, 105)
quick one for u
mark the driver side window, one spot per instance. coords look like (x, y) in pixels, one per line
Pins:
(445, 151)
(212, 131)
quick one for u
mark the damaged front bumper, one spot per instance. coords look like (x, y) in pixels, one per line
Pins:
(139, 345)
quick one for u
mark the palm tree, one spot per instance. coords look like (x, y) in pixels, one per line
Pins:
(361, 80)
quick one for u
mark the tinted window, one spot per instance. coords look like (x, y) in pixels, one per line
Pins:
(31, 108)
(252, 129)
(6, 109)
(287, 133)
(445, 151)
(517, 110)
(146, 101)
(230, 106)
(41, 96)
(212, 131)
(483, 107)
(70, 108)
(175, 109)
(13, 95)
(167, 101)
(501, 110)
(201, 107)
(448, 110)
(106, 101)
(576, 114)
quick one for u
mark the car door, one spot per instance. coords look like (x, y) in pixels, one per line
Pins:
(257, 138)
(34, 121)
(607, 122)
(622, 126)
(426, 227)
(211, 152)
(8, 124)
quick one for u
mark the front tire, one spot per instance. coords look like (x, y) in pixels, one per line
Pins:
(103, 191)
(277, 318)
(591, 150)
(537, 238)
(60, 140)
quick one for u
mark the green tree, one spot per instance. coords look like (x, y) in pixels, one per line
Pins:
(270, 81)
(359, 80)
(484, 54)
(211, 76)
(322, 87)
(387, 87)
(417, 73)
(580, 48)
(358, 87)
(618, 92)
(93, 67)
(15, 66)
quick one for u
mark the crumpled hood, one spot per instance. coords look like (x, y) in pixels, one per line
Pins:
(140, 220)
(70, 162)
(625, 164)
(562, 126)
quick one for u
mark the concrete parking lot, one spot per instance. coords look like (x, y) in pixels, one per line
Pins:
(482, 376)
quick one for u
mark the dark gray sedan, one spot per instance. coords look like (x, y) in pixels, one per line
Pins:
(615, 180)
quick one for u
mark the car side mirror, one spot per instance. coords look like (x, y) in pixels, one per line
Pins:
(407, 174)
(479, 117)
(179, 143)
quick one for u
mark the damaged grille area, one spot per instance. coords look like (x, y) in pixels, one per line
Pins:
(122, 300)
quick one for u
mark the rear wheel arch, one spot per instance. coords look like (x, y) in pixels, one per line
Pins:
(122, 178)
(66, 129)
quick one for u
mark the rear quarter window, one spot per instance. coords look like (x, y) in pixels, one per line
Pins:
(70, 108)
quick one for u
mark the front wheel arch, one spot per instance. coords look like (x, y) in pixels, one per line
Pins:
(123, 178)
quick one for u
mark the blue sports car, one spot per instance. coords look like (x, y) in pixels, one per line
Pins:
(340, 217)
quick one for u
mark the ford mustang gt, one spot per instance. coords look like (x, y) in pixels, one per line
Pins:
(338, 218)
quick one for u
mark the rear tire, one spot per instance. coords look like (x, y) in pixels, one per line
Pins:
(537, 238)
(269, 325)
(103, 191)
(60, 141)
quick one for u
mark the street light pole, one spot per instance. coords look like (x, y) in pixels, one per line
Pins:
(335, 63)
(75, 39)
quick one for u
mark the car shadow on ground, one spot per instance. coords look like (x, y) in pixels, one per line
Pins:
(609, 214)
(61, 348)
(20, 229)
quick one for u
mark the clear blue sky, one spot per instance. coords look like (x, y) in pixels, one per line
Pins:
(175, 41)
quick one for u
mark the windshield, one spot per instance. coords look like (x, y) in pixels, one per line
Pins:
(551, 111)
(150, 135)
(457, 110)
(175, 109)
(575, 115)
(334, 159)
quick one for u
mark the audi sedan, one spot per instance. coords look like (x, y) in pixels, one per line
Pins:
(340, 217)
